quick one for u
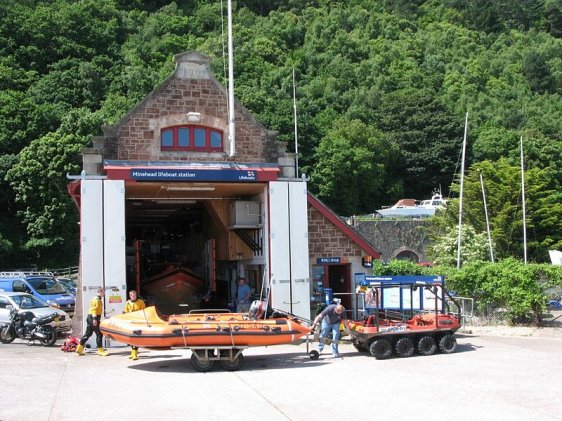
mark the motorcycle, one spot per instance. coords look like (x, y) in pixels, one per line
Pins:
(25, 325)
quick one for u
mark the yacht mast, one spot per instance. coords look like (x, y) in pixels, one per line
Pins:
(487, 220)
(523, 200)
(461, 191)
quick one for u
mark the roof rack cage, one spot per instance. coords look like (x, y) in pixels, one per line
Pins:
(12, 274)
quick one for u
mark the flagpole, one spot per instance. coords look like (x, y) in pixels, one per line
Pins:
(231, 124)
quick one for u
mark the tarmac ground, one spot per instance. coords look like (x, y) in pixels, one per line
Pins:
(489, 377)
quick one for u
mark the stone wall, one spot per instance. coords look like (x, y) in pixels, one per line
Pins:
(396, 238)
(325, 239)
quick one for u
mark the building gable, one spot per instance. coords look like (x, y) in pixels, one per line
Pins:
(191, 96)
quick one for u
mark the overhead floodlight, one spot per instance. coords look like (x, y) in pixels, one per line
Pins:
(193, 117)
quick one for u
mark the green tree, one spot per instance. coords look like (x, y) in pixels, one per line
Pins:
(508, 284)
(474, 247)
(502, 183)
(39, 180)
(426, 137)
(349, 155)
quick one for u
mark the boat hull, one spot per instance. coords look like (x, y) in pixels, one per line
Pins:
(146, 329)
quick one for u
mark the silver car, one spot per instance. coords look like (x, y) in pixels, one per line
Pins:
(27, 302)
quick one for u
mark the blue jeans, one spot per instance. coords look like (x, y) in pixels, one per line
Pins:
(326, 328)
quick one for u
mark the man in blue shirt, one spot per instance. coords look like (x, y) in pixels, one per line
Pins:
(244, 297)
(331, 318)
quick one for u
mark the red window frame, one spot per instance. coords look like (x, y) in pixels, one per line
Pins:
(175, 139)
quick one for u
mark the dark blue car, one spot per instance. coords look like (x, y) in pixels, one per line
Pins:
(554, 305)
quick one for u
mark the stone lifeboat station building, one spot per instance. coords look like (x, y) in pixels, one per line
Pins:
(166, 209)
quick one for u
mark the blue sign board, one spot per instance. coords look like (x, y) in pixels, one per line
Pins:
(161, 174)
(324, 260)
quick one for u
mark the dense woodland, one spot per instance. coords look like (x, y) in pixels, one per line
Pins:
(382, 90)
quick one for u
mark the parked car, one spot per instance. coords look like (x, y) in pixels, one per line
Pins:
(41, 285)
(26, 302)
(554, 305)
(68, 284)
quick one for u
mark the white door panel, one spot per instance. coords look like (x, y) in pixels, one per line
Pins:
(279, 246)
(288, 220)
(91, 238)
(114, 246)
(299, 249)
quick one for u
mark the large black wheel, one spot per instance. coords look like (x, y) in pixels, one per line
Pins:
(233, 365)
(360, 347)
(447, 344)
(427, 345)
(404, 347)
(380, 349)
(201, 365)
(7, 334)
(50, 335)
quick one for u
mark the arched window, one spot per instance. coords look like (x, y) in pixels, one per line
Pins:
(191, 138)
(408, 255)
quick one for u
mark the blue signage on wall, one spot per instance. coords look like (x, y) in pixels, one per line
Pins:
(150, 174)
(324, 260)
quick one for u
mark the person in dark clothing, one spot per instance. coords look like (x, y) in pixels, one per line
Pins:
(93, 324)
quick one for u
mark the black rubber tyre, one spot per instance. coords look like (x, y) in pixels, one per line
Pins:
(404, 347)
(427, 345)
(7, 335)
(360, 348)
(201, 365)
(380, 349)
(233, 365)
(447, 344)
(50, 336)
(314, 355)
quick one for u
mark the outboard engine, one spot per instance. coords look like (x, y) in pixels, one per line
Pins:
(257, 309)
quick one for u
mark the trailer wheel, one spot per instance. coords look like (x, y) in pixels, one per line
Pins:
(447, 344)
(404, 347)
(201, 365)
(380, 349)
(233, 365)
(427, 345)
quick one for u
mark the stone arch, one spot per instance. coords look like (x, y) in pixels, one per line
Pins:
(406, 253)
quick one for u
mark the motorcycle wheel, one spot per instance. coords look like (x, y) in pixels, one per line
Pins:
(7, 334)
(50, 335)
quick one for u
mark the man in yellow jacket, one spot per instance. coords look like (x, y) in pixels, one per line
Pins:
(93, 324)
(134, 304)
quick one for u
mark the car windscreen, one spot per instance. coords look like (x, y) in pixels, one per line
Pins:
(28, 302)
(47, 286)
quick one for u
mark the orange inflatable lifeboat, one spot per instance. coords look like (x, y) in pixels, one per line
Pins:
(145, 328)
